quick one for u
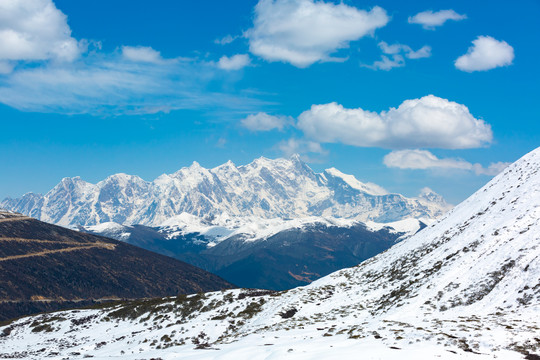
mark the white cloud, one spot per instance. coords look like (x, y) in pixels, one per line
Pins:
(430, 122)
(265, 122)
(423, 160)
(486, 54)
(430, 20)
(396, 54)
(138, 80)
(105, 85)
(423, 52)
(6, 67)
(394, 49)
(235, 62)
(142, 54)
(32, 30)
(226, 40)
(221, 142)
(302, 32)
(308, 150)
(386, 63)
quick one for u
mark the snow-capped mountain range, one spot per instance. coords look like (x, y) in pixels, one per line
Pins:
(468, 286)
(264, 189)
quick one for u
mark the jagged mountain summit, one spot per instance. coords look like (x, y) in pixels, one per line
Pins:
(467, 286)
(281, 188)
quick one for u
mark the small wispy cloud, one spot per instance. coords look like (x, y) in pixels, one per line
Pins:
(423, 52)
(112, 85)
(227, 39)
(394, 55)
(309, 151)
(425, 160)
(235, 62)
(6, 67)
(266, 122)
(431, 20)
(386, 63)
(142, 54)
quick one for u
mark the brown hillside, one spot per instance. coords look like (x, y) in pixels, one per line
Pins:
(45, 267)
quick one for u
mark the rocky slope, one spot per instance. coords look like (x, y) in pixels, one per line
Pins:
(47, 267)
(265, 189)
(465, 287)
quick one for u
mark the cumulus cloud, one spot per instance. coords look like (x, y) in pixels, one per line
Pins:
(430, 122)
(430, 20)
(486, 54)
(32, 30)
(235, 62)
(394, 55)
(423, 160)
(302, 32)
(265, 122)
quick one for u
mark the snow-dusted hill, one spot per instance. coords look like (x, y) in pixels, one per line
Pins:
(281, 188)
(272, 254)
(248, 229)
(465, 287)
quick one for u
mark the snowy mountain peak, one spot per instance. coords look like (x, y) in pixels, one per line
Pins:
(265, 189)
(70, 181)
(228, 165)
(369, 188)
(295, 157)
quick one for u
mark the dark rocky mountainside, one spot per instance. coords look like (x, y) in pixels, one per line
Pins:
(287, 259)
(45, 267)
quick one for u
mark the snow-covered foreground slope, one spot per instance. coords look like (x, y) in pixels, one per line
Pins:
(265, 189)
(465, 287)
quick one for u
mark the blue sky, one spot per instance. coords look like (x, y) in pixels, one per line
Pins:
(403, 94)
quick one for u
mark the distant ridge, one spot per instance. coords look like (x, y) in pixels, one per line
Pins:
(280, 188)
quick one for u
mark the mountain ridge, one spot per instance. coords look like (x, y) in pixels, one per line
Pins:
(265, 188)
(274, 254)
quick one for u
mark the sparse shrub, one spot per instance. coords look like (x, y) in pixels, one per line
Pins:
(287, 314)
